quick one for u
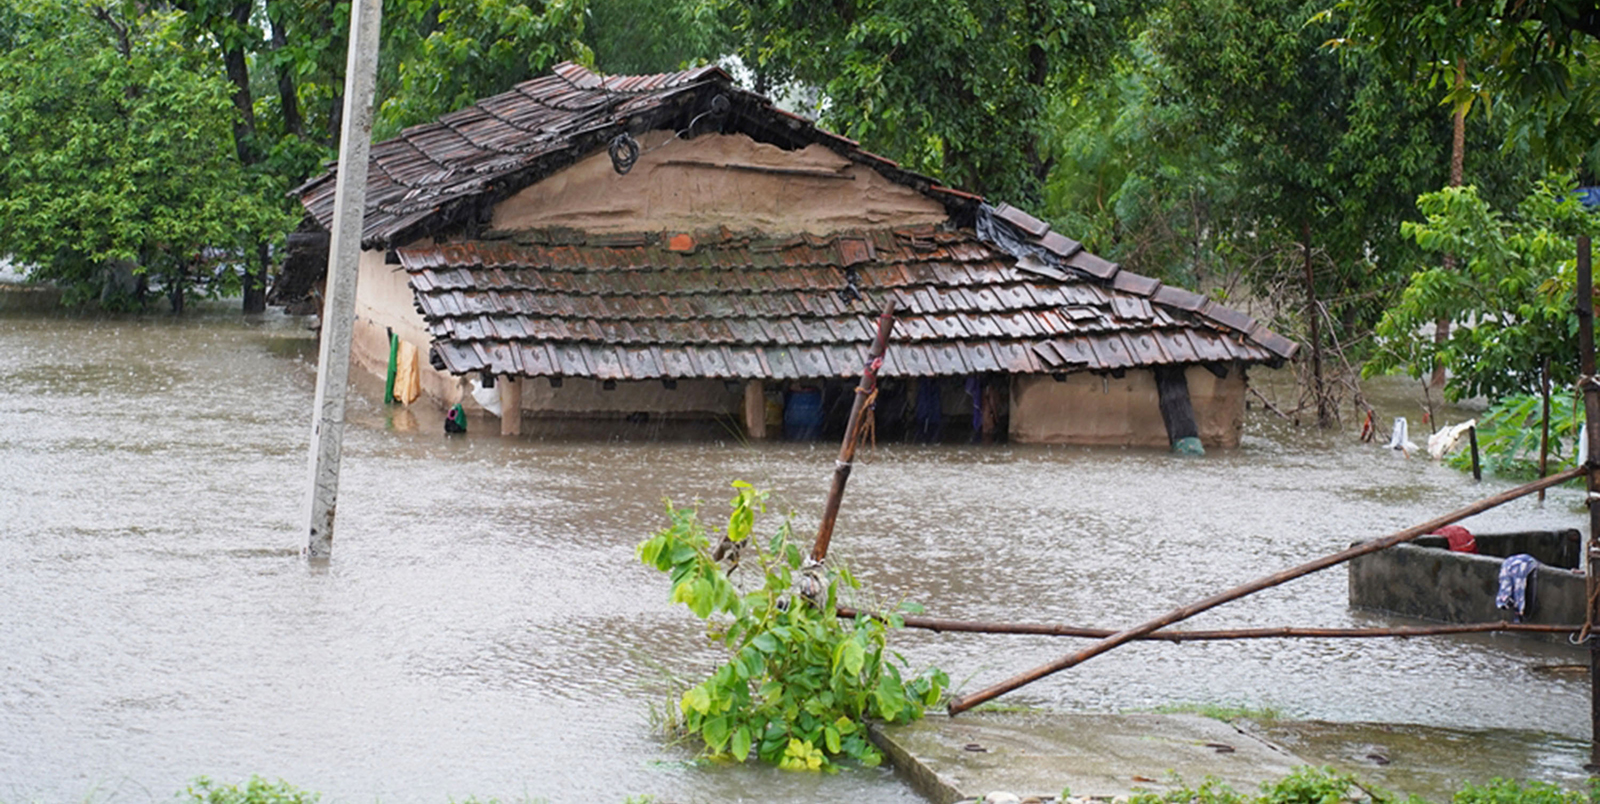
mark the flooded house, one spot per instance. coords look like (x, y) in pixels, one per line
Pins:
(673, 246)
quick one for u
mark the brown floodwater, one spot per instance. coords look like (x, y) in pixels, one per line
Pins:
(485, 630)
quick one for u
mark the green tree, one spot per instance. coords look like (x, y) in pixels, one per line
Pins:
(958, 89)
(1134, 183)
(630, 37)
(449, 53)
(115, 153)
(1535, 59)
(1329, 154)
(1511, 298)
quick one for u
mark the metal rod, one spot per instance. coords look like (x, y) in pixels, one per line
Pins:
(941, 625)
(852, 431)
(339, 307)
(1591, 432)
(958, 705)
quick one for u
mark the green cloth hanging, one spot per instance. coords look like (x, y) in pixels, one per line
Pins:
(394, 365)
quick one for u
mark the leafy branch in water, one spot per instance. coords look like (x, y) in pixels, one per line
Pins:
(1508, 435)
(800, 684)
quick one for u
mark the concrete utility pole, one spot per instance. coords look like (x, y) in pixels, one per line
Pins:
(339, 306)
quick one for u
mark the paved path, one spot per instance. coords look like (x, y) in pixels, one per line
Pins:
(1039, 754)
(1105, 756)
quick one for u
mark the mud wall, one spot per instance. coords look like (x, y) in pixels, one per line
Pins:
(1093, 409)
(717, 180)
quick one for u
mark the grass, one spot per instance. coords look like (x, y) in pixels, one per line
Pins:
(1308, 785)
(1222, 712)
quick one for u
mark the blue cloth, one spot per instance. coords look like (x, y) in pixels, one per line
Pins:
(1513, 594)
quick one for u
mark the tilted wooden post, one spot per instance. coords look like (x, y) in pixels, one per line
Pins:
(339, 308)
(1591, 434)
(852, 431)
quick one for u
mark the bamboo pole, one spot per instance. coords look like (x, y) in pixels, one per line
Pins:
(852, 432)
(1591, 428)
(958, 705)
(941, 625)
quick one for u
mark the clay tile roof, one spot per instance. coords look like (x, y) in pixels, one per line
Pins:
(637, 307)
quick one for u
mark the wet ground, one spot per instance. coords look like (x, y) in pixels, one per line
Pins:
(485, 630)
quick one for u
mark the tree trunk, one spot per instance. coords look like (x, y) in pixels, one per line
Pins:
(175, 293)
(255, 281)
(1458, 147)
(1314, 319)
(244, 133)
(233, 58)
(288, 97)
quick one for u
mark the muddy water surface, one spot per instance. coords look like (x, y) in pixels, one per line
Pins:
(485, 630)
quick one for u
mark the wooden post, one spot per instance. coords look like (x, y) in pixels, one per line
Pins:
(510, 404)
(1591, 434)
(1544, 418)
(755, 410)
(847, 450)
(1177, 412)
(1477, 467)
(339, 307)
(958, 705)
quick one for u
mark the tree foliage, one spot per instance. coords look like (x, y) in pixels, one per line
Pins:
(800, 683)
(115, 148)
(1536, 59)
(955, 88)
(1511, 297)
(448, 53)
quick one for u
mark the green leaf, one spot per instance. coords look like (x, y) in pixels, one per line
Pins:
(741, 743)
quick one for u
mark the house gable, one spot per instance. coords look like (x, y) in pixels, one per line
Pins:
(717, 180)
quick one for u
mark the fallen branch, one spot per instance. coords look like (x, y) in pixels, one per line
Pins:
(1270, 406)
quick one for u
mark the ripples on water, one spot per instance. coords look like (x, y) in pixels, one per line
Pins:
(485, 630)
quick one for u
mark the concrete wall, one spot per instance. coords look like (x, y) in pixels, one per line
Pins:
(1100, 410)
(717, 180)
(1435, 584)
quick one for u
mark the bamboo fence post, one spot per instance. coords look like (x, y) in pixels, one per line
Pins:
(852, 431)
(959, 705)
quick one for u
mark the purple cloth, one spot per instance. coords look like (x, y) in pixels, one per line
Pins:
(1513, 594)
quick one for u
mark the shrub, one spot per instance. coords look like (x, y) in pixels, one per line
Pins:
(800, 683)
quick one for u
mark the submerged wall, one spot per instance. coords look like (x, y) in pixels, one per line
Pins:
(1100, 410)
(1433, 583)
